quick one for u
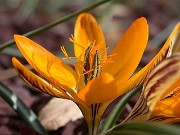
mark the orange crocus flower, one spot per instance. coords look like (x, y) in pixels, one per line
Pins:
(97, 78)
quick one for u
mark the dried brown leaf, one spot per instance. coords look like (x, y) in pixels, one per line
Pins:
(58, 112)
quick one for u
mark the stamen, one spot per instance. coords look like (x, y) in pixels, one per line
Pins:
(97, 68)
(86, 64)
(86, 58)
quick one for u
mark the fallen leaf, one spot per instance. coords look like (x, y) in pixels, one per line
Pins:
(58, 112)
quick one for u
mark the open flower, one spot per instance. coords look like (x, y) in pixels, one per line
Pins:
(97, 78)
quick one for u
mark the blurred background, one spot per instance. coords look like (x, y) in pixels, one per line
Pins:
(22, 16)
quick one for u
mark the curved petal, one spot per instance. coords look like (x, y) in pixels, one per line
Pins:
(176, 38)
(88, 30)
(37, 82)
(98, 90)
(141, 76)
(48, 65)
(167, 110)
(128, 52)
(164, 79)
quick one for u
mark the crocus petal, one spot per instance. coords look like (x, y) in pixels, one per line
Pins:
(128, 52)
(176, 39)
(48, 65)
(98, 90)
(36, 81)
(167, 110)
(141, 76)
(161, 81)
(88, 30)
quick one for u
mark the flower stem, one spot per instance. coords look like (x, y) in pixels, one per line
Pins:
(48, 26)
(93, 126)
(93, 118)
(92, 130)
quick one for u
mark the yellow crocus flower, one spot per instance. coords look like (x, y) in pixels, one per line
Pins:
(97, 78)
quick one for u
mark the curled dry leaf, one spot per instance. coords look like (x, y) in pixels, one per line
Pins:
(58, 112)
